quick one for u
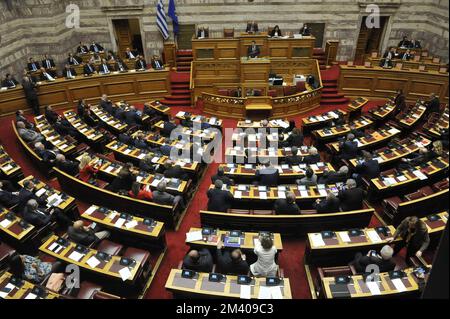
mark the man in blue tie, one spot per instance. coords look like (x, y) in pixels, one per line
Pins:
(33, 66)
(89, 69)
(140, 63)
(104, 68)
(157, 63)
(73, 60)
(49, 66)
(69, 72)
(96, 48)
(9, 82)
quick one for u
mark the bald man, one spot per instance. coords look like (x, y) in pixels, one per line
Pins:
(200, 261)
(232, 263)
(85, 235)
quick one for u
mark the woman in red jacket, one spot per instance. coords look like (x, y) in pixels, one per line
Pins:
(139, 192)
(87, 171)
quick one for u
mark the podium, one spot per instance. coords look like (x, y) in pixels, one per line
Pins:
(258, 108)
(254, 69)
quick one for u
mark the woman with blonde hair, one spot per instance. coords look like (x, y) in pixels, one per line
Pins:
(87, 171)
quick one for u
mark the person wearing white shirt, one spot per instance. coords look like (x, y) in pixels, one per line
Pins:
(45, 76)
(129, 54)
(265, 265)
(69, 73)
(104, 68)
(33, 66)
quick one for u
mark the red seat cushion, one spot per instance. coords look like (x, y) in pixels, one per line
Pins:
(109, 247)
(392, 202)
(415, 195)
(426, 191)
(87, 290)
(263, 212)
(139, 255)
(239, 211)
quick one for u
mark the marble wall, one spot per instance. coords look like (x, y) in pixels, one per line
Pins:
(34, 27)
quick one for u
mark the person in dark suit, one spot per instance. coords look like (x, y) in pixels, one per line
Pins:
(124, 179)
(103, 68)
(404, 43)
(82, 49)
(219, 200)
(199, 261)
(329, 177)
(406, 56)
(329, 204)
(313, 157)
(9, 82)
(415, 159)
(369, 168)
(415, 44)
(132, 117)
(8, 198)
(267, 175)
(69, 72)
(231, 263)
(36, 215)
(146, 164)
(96, 48)
(400, 101)
(140, 141)
(20, 117)
(202, 32)
(166, 148)
(74, 60)
(294, 159)
(33, 66)
(27, 193)
(276, 32)
(351, 197)
(187, 122)
(295, 138)
(161, 196)
(174, 171)
(415, 237)
(383, 260)
(49, 65)
(221, 176)
(48, 156)
(106, 105)
(253, 50)
(120, 66)
(286, 206)
(89, 69)
(130, 54)
(168, 127)
(434, 105)
(140, 63)
(51, 115)
(349, 148)
(30, 90)
(157, 63)
(45, 76)
(310, 178)
(70, 167)
(83, 235)
(388, 56)
(305, 30)
(252, 26)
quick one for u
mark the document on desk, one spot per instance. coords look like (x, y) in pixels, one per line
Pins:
(304, 193)
(237, 194)
(194, 236)
(373, 287)
(31, 296)
(242, 187)
(125, 273)
(344, 237)
(5, 223)
(401, 178)
(40, 192)
(276, 292)
(109, 169)
(76, 256)
(131, 224)
(112, 215)
(281, 194)
(398, 283)
(119, 223)
(420, 175)
(373, 236)
(93, 262)
(322, 192)
(264, 293)
(263, 195)
(246, 292)
(317, 240)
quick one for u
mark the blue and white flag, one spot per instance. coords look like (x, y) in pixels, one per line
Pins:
(173, 15)
(161, 21)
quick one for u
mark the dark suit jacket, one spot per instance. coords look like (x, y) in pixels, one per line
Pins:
(101, 68)
(295, 140)
(332, 178)
(85, 48)
(252, 27)
(44, 63)
(327, 206)
(272, 33)
(311, 159)
(46, 155)
(226, 265)
(219, 200)
(120, 64)
(66, 72)
(176, 172)
(70, 60)
(99, 47)
(51, 116)
(107, 106)
(25, 195)
(9, 83)
(132, 118)
(69, 167)
(351, 199)
(362, 261)
(29, 89)
(206, 33)
(369, 169)
(294, 160)
(349, 149)
(88, 70)
(163, 198)
(434, 106)
(8, 199)
(30, 66)
(128, 55)
(161, 64)
(140, 64)
(282, 207)
(267, 176)
(204, 264)
(82, 237)
(253, 53)
(305, 31)
(36, 218)
(168, 127)
(223, 178)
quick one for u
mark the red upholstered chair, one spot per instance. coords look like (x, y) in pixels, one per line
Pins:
(300, 86)
(389, 172)
(263, 212)
(239, 211)
(391, 203)
(426, 190)
(5, 253)
(439, 186)
(225, 92)
(272, 93)
(141, 256)
(109, 247)
(415, 195)
(87, 290)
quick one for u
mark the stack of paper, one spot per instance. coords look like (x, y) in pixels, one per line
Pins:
(344, 236)
(93, 262)
(246, 292)
(194, 236)
(317, 240)
(5, 223)
(399, 285)
(420, 175)
(373, 287)
(373, 236)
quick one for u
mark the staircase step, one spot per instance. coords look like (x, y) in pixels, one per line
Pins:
(178, 97)
(332, 96)
(334, 101)
(176, 103)
(180, 86)
(328, 90)
(176, 91)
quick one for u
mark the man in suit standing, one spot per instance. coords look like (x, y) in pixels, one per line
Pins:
(383, 260)
(33, 66)
(200, 261)
(96, 48)
(69, 72)
(49, 65)
(232, 263)
(252, 27)
(253, 50)
(219, 200)
(157, 63)
(349, 148)
(400, 101)
(9, 82)
(267, 175)
(286, 206)
(351, 197)
(140, 63)
(30, 90)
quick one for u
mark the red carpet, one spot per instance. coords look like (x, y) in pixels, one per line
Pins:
(291, 259)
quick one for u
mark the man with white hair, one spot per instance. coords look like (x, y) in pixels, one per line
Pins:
(106, 105)
(67, 166)
(85, 235)
(28, 135)
(349, 148)
(331, 177)
(351, 197)
(382, 260)
(313, 157)
(48, 156)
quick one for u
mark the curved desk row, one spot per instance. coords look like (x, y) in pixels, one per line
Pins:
(131, 86)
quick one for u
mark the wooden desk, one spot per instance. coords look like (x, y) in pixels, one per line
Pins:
(25, 291)
(411, 64)
(132, 86)
(316, 121)
(437, 123)
(8, 168)
(411, 117)
(134, 229)
(159, 108)
(254, 155)
(334, 133)
(377, 82)
(13, 228)
(58, 141)
(356, 106)
(383, 112)
(203, 134)
(89, 133)
(274, 123)
(200, 286)
(200, 119)
(114, 125)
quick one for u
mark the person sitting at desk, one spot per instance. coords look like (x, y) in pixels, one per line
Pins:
(168, 127)
(351, 196)
(50, 115)
(349, 148)
(33, 66)
(433, 105)
(89, 68)
(140, 63)
(40, 216)
(9, 82)
(313, 157)
(157, 63)
(69, 72)
(111, 57)
(415, 44)
(202, 32)
(199, 261)
(139, 141)
(32, 268)
(383, 260)
(404, 43)
(107, 105)
(276, 32)
(187, 121)
(132, 117)
(416, 159)
(330, 204)
(67, 166)
(48, 156)
(162, 197)
(166, 148)
(96, 48)
(388, 56)
(82, 49)
(310, 178)
(406, 56)
(268, 175)
(305, 30)
(253, 50)
(232, 263)
(400, 101)
(221, 176)
(140, 192)
(87, 171)
(27, 134)
(83, 235)
(295, 138)
(415, 237)
(26, 193)
(369, 168)
(329, 177)
(103, 68)
(49, 65)
(74, 60)
(45, 76)
(146, 164)
(124, 179)
(286, 206)
(294, 159)
(174, 171)
(20, 117)
(219, 200)
(252, 27)
(130, 55)
(8, 198)
(265, 265)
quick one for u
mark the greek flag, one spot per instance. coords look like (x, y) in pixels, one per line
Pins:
(161, 20)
